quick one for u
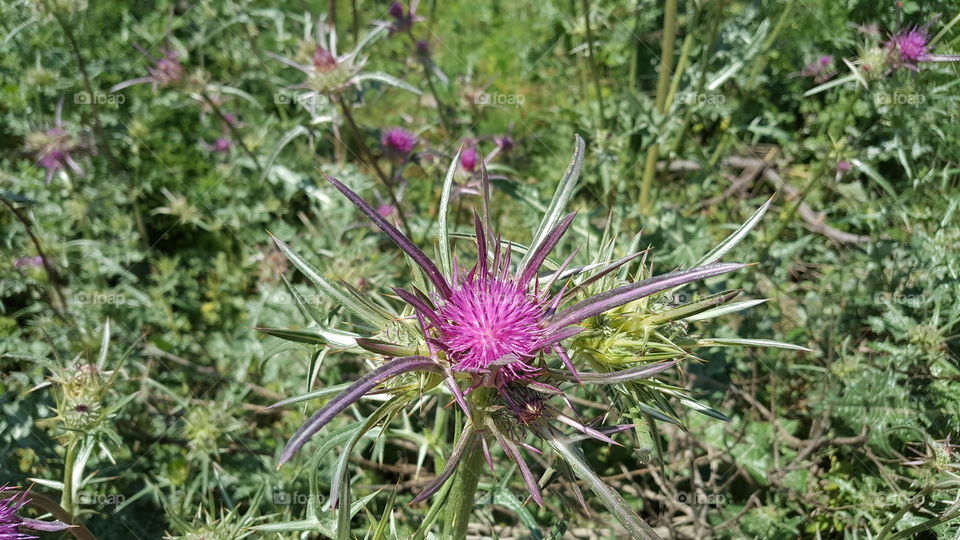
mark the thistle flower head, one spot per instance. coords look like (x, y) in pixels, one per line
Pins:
(165, 70)
(28, 262)
(398, 141)
(504, 142)
(499, 324)
(908, 48)
(402, 19)
(487, 319)
(54, 150)
(469, 159)
(323, 60)
(819, 69)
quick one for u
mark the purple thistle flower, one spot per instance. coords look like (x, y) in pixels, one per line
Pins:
(386, 210)
(54, 149)
(498, 323)
(398, 141)
(28, 262)
(220, 146)
(819, 69)
(487, 319)
(469, 159)
(504, 142)
(12, 524)
(402, 19)
(908, 48)
(163, 71)
(323, 60)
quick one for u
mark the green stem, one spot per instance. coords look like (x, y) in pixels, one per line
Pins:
(594, 72)
(66, 500)
(233, 131)
(372, 162)
(663, 87)
(463, 494)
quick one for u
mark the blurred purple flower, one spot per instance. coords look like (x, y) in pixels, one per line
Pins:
(402, 19)
(220, 146)
(469, 159)
(164, 71)
(908, 48)
(323, 60)
(12, 524)
(843, 166)
(28, 262)
(386, 210)
(54, 149)
(819, 69)
(503, 142)
(398, 142)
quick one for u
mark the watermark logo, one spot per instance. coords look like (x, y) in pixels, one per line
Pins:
(701, 499)
(286, 498)
(898, 98)
(99, 298)
(101, 499)
(496, 98)
(98, 98)
(696, 98)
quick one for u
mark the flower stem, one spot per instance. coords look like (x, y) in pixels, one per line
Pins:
(463, 494)
(233, 131)
(594, 71)
(372, 162)
(663, 87)
(66, 500)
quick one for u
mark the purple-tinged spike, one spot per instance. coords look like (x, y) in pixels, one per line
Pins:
(556, 275)
(384, 347)
(481, 245)
(557, 300)
(419, 305)
(557, 336)
(504, 270)
(587, 430)
(513, 453)
(562, 353)
(628, 293)
(398, 237)
(545, 247)
(531, 448)
(544, 388)
(485, 201)
(622, 376)
(464, 442)
(350, 396)
(606, 270)
(486, 455)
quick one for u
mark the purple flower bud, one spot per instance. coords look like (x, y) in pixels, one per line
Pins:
(396, 10)
(386, 210)
(843, 166)
(221, 145)
(469, 159)
(422, 49)
(398, 141)
(166, 70)
(505, 142)
(323, 60)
